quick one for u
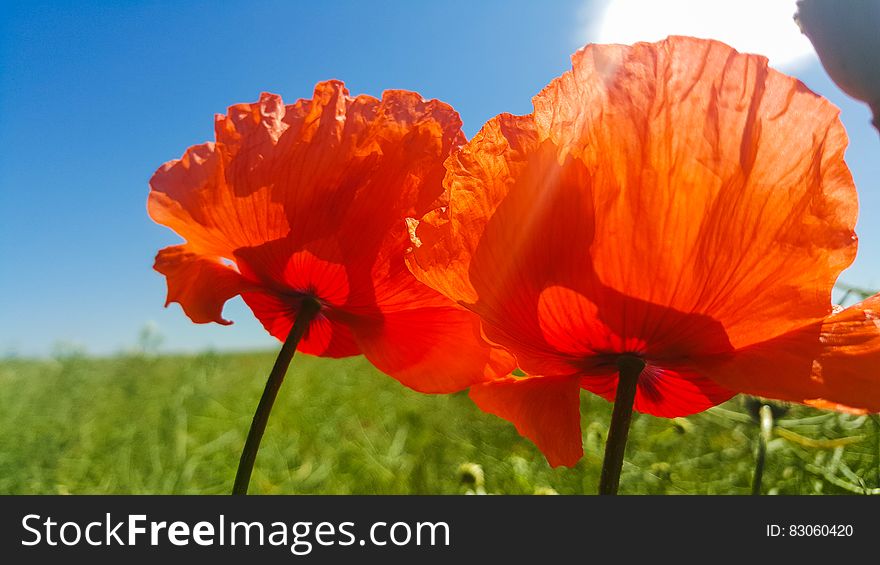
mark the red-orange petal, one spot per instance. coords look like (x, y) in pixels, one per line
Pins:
(289, 270)
(725, 179)
(834, 363)
(545, 410)
(199, 283)
(505, 155)
(848, 366)
(194, 197)
(665, 392)
(434, 350)
(328, 335)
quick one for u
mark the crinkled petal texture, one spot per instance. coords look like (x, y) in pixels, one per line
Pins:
(678, 201)
(310, 200)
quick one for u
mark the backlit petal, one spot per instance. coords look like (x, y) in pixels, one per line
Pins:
(833, 364)
(665, 392)
(194, 197)
(200, 284)
(848, 366)
(327, 334)
(543, 409)
(436, 350)
(725, 179)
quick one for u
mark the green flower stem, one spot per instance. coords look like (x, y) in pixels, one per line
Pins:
(307, 312)
(629, 369)
(764, 436)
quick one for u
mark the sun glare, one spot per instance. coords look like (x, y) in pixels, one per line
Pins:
(751, 26)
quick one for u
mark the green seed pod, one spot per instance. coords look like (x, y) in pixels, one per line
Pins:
(471, 474)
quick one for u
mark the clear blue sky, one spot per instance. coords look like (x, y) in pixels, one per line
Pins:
(95, 96)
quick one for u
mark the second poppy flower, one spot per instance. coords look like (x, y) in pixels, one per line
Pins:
(676, 204)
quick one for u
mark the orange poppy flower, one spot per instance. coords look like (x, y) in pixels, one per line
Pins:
(307, 202)
(678, 202)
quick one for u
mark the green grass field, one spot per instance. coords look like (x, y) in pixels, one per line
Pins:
(175, 424)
